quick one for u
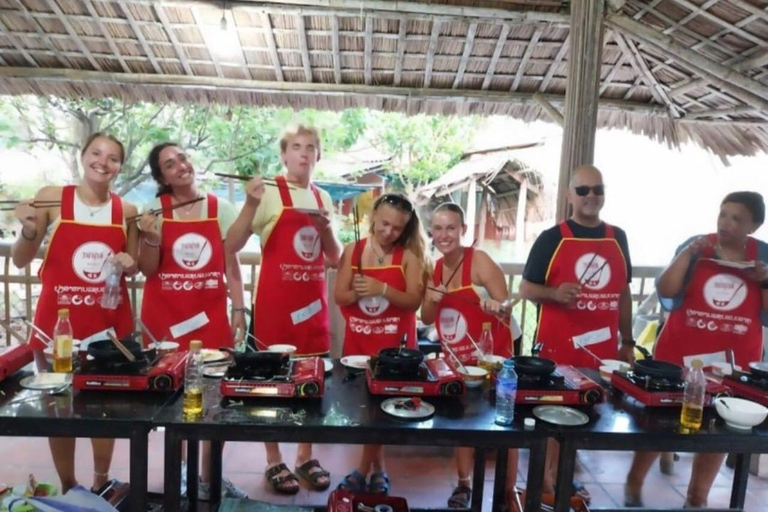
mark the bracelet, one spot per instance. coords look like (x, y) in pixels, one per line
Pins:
(151, 244)
(240, 310)
(28, 239)
(630, 342)
(384, 291)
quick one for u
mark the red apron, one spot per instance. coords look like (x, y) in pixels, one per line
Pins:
(186, 299)
(592, 320)
(291, 304)
(720, 311)
(457, 316)
(373, 323)
(73, 275)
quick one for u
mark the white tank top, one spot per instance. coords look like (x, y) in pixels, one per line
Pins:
(88, 214)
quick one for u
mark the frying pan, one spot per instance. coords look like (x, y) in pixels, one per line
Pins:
(269, 361)
(534, 366)
(656, 369)
(403, 360)
(104, 351)
(759, 369)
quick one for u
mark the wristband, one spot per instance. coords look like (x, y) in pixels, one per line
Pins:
(630, 342)
(146, 241)
(240, 310)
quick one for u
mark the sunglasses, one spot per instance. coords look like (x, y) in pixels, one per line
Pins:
(398, 202)
(583, 191)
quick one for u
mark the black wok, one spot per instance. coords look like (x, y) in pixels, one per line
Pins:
(104, 351)
(269, 361)
(656, 369)
(534, 366)
(401, 360)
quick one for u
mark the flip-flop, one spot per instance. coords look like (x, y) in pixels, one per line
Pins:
(460, 497)
(312, 471)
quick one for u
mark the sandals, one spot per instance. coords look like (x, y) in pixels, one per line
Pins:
(288, 484)
(460, 497)
(353, 482)
(312, 472)
(379, 483)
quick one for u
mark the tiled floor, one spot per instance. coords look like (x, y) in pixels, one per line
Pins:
(424, 475)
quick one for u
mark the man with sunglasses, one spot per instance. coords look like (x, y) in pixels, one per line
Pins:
(579, 273)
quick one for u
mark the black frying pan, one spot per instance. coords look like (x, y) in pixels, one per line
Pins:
(656, 369)
(535, 366)
(104, 351)
(270, 361)
(759, 369)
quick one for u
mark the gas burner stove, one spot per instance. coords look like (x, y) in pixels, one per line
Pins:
(14, 359)
(565, 386)
(304, 378)
(435, 377)
(749, 386)
(660, 392)
(163, 374)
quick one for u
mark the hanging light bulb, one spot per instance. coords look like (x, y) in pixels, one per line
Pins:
(223, 20)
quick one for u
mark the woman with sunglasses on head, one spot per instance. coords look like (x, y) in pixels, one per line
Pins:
(88, 224)
(183, 257)
(468, 289)
(702, 283)
(379, 286)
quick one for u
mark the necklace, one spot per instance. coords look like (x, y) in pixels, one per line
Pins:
(93, 211)
(720, 250)
(186, 210)
(380, 257)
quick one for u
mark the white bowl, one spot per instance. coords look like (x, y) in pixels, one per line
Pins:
(474, 376)
(615, 364)
(740, 413)
(722, 368)
(166, 347)
(606, 372)
(283, 349)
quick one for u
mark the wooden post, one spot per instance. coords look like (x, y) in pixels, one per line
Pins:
(522, 206)
(469, 237)
(483, 217)
(584, 59)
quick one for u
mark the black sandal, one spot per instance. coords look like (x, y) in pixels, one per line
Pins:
(312, 471)
(288, 484)
(379, 483)
(460, 497)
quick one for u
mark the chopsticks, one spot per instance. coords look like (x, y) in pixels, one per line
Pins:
(12, 203)
(461, 261)
(506, 307)
(121, 347)
(157, 211)
(267, 181)
(40, 334)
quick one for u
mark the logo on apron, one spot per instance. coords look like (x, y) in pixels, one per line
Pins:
(593, 271)
(192, 251)
(306, 243)
(373, 305)
(89, 259)
(453, 325)
(725, 292)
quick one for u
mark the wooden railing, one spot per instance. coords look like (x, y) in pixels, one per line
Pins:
(21, 288)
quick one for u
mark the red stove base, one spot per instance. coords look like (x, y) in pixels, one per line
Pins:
(746, 390)
(166, 375)
(307, 380)
(14, 359)
(662, 398)
(568, 386)
(342, 500)
(438, 378)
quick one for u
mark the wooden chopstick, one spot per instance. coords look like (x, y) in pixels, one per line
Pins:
(446, 283)
(267, 181)
(157, 211)
(37, 204)
(121, 347)
(479, 304)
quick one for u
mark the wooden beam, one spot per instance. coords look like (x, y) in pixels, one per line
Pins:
(522, 207)
(719, 21)
(756, 61)
(735, 82)
(112, 46)
(301, 29)
(496, 54)
(431, 49)
(43, 35)
(607, 81)
(199, 24)
(636, 60)
(581, 104)
(553, 113)
(368, 59)
(18, 46)
(526, 56)
(751, 9)
(401, 32)
(471, 31)
(74, 35)
(140, 36)
(245, 65)
(721, 112)
(555, 64)
(471, 210)
(172, 36)
(335, 48)
(270, 37)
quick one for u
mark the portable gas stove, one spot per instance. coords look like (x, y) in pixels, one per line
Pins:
(435, 377)
(565, 386)
(162, 374)
(657, 392)
(14, 359)
(303, 378)
(748, 385)
(342, 500)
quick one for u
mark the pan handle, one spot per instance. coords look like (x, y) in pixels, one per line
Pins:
(644, 351)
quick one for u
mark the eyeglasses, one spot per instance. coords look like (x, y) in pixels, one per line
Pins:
(398, 202)
(582, 191)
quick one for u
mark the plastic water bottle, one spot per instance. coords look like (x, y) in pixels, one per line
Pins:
(506, 391)
(110, 299)
(693, 397)
(62, 343)
(193, 381)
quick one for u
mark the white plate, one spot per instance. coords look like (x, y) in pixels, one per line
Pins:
(399, 407)
(561, 415)
(356, 362)
(309, 211)
(46, 380)
(212, 356)
(215, 371)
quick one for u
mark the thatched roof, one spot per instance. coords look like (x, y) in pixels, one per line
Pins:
(677, 70)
